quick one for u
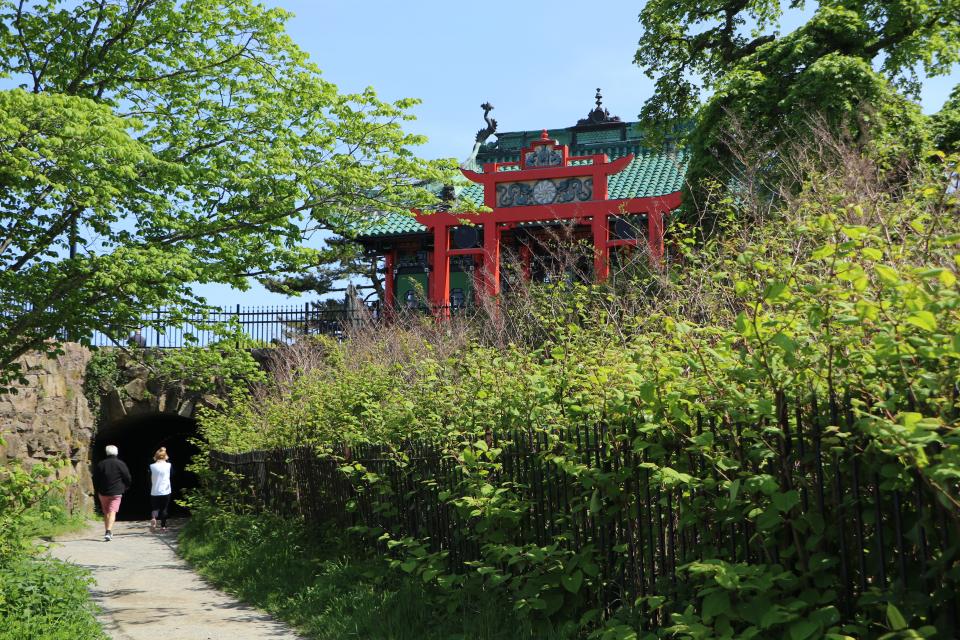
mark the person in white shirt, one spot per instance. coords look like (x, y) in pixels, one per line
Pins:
(160, 489)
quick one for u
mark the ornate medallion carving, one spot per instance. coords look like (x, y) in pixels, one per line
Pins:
(543, 192)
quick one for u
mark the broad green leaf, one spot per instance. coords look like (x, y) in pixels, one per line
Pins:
(716, 603)
(734, 490)
(786, 501)
(774, 291)
(803, 630)
(909, 419)
(769, 518)
(824, 252)
(887, 274)
(572, 581)
(784, 341)
(923, 319)
(854, 232)
(894, 618)
(595, 502)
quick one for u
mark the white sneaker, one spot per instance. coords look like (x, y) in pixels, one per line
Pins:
(107, 537)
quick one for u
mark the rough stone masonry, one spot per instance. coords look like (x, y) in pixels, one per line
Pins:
(49, 418)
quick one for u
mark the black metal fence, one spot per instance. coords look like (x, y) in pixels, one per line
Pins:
(879, 531)
(165, 329)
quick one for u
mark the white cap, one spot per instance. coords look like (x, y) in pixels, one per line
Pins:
(111, 450)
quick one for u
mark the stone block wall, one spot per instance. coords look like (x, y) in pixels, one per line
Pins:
(50, 418)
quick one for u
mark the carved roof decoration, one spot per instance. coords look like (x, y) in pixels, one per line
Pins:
(598, 115)
(491, 127)
(481, 138)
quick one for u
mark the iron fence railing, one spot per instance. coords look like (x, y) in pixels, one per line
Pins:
(165, 329)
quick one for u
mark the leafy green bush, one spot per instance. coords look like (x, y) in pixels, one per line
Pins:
(30, 506)
(101, 375)
(45, 599)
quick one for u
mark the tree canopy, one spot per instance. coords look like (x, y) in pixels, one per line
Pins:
(718, 60)
(157, 143)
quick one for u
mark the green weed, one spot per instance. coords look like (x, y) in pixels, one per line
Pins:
(45, 599)
(332, 591)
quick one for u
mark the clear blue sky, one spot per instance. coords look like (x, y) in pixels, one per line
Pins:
(538, 62)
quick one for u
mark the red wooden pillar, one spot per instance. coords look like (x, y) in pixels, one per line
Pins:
(389, 282)
(655, 234)
(491, 258)
(601, 252)
(439, 288)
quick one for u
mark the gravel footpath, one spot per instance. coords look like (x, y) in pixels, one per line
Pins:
(147, 592)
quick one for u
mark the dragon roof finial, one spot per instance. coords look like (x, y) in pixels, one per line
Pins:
(491, 127)
(481, 137)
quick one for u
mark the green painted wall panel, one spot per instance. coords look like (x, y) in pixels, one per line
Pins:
(461, 288)
(411, 289)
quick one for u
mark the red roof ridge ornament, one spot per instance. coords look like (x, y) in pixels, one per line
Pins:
(543, 152)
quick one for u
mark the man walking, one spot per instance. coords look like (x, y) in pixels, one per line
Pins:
(111, 479)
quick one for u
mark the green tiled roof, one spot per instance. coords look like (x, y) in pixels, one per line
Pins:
(391, 224)
(472, 193)
(650, 173)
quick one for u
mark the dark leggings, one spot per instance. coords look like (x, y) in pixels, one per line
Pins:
(158, 507)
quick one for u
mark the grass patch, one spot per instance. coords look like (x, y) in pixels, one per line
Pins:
(42, 598)
(329, 591)
(54, 520)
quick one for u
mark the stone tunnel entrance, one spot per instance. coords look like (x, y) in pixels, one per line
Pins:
(137, 438)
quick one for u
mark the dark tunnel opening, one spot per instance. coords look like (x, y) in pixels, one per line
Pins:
(138, 438)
